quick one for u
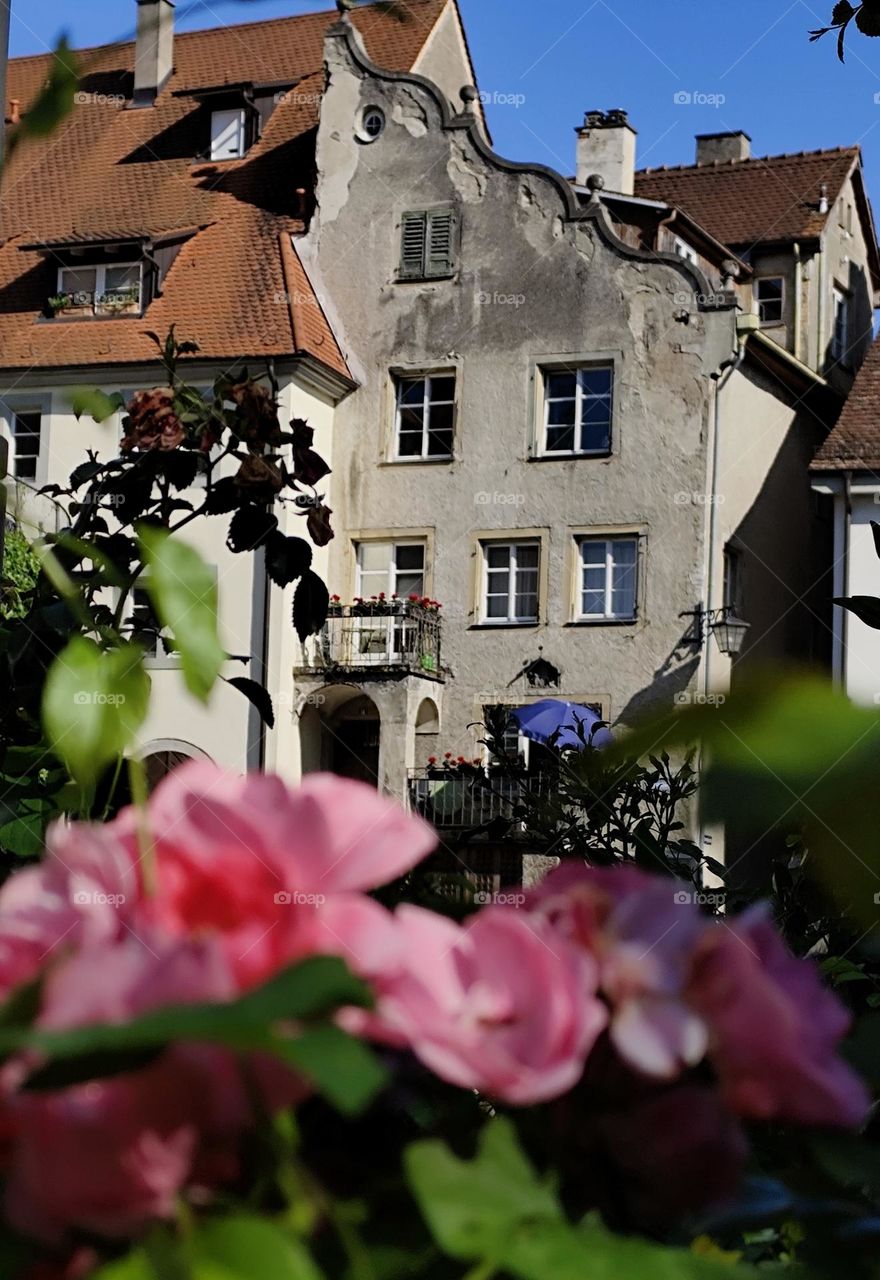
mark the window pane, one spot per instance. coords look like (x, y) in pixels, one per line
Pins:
(561, 385)
(411, 391)
(592, 603)
(227, 134)
(496, 606)
(497, 556)
(560, 439)
(527, 555)
(410, 556)
(128, 277)
(79, 280)
(526, 603)
(561, 413)
(443, 388)
(623, 578)
(374, 556)
(596, 382)
(596, 424)
(440, 430)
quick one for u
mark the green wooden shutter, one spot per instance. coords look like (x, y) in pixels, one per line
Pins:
(414, 238)
(441, 250)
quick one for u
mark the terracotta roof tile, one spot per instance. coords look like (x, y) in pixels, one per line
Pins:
(854, 442)
(114, 173)
(744, 202)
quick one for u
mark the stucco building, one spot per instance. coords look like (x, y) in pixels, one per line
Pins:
(577, 411)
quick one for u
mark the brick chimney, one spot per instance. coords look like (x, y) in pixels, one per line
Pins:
(606, 145)
(154, 49)
(723, 147)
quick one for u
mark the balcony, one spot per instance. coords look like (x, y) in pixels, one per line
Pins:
(394, 637)
(82, 303)
(470, 798)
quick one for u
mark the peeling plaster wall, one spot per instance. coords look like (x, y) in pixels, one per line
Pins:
(532, 286)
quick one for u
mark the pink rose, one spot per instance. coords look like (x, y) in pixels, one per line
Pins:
(643, 940)
(774, 1027)
(500, 1005)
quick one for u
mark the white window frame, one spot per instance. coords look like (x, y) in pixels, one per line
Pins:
(394, 545)
(417, 376)
(840, 303)
(100, 270)
(388, 638)
(609, 542)
(548, 371)
(236, 117)
(758, 282)
(684, 250)
(11, 413)
(512, 545)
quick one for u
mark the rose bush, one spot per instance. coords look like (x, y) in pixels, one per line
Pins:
(608, 994)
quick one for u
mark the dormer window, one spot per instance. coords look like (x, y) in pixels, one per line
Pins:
(228, 133)
(102, 289)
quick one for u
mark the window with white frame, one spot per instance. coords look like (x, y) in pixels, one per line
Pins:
(511, 578)
(228, 140)
(104, 289)
(733, 580)
(147, 631)
(770, 297)
(840, 333)
(608, 586)
(391, 569)
(425, 415)
(26, 428)
(684, 250)
(578, 408)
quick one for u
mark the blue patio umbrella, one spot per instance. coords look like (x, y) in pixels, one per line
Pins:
(570, 722)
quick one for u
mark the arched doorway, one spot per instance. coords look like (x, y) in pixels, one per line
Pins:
(340, 729)
(164, 756)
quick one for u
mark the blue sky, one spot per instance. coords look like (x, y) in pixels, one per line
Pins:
(743, 63)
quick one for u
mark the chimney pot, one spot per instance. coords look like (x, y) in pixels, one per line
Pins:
(606, 148)
(721, 148)
(14, 116)
(154, 50)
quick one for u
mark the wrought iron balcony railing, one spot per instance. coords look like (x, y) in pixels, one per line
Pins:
(389, 637)
(453, 800)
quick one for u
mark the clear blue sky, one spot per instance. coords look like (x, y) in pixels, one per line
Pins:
(544, 62)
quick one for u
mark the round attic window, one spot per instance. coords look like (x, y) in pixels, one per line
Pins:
(372, 124)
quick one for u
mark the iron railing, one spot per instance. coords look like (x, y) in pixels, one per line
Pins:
(463, 801)
(403, 635)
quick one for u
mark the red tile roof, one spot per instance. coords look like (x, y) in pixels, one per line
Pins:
(744, 202)
(110, 172)
(854, 443)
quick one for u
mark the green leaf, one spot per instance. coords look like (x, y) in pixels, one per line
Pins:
(55, 99)
(472, 1206)
(342, 1068)
(789, 755)
(24, 834)
(94, 702)
(248, 1248)
(540, 1250)
(94, 403)
(183, 592)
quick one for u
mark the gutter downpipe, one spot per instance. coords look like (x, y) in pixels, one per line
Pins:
(798, 291)
(727, 370)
